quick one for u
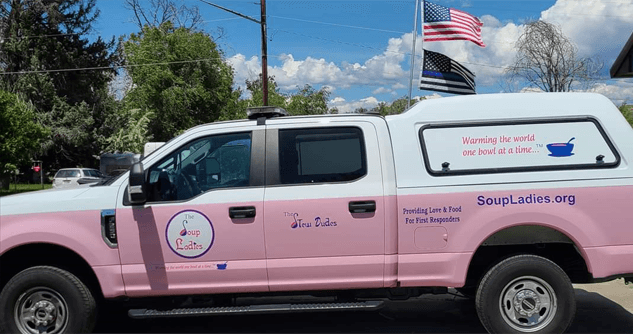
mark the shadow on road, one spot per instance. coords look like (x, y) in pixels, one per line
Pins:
(427, 314)
(597, 314)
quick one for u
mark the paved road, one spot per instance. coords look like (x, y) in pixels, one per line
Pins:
(435, 314)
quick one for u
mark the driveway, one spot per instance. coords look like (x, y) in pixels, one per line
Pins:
(602, 308)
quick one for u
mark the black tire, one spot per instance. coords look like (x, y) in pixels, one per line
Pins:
(526, 294)
(59, 300)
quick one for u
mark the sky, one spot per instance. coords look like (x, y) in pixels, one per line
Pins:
(361, 50)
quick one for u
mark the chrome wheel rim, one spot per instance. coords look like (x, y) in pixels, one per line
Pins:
(41, 310)
(528, 304)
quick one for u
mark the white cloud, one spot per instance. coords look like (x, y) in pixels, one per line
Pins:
(329, 88)
(531, 90)
(618, 93)
(245, 70)
(384, 68)
(398, 86)
(348, 107)
(595, 26)
(428, 97)
(381, 90)
(337, 100)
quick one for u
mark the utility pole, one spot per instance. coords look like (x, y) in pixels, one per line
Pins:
(264, 53)
(262, 22)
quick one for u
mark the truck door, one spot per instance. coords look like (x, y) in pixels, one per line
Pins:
(201, 230)
(323, 207)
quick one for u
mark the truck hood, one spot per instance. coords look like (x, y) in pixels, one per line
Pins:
(58, 200)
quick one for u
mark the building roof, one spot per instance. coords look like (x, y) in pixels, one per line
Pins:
(623, 65)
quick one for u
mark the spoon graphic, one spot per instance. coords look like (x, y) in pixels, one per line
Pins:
(183, 232)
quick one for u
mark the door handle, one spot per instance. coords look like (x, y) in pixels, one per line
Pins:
(242, 212)
(362, 206)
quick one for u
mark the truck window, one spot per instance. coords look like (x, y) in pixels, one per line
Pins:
(495, 147)
(212, 162)
(315, 155)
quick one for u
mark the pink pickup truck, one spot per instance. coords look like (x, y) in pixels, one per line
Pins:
(507, 198)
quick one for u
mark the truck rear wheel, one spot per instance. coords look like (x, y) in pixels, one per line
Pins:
(46, 299)
(526, 294)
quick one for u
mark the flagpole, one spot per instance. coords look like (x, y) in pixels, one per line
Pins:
(415, 34)
(422, 32)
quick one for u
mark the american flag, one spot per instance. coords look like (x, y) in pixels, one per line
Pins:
(443, 74)
(445, 24)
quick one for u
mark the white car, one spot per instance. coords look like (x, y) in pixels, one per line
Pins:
(74, 177)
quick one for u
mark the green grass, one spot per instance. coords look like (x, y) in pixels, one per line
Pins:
(21, 188)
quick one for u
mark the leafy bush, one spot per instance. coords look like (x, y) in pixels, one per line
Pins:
(20, 135)
(627, 112)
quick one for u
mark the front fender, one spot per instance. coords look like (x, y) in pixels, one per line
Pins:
(79, 231)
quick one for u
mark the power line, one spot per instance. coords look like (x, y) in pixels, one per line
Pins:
(400, 32)
(337, 25)
(552, 12)
(109, 67)
(93, 34)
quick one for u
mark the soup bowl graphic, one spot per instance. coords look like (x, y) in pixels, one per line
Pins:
(561, 149)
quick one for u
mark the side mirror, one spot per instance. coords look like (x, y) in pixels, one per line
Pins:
(136, 186)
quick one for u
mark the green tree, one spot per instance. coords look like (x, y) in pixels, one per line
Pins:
(382, 108)
(132, 132)
(43, 42)
(41, 35)
(178, 75)
(306, 101)
(20, 135)
(275, 96)
(309, 101)
(627, 112)
(396, 107)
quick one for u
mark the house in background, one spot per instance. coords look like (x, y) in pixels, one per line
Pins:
(623, 65)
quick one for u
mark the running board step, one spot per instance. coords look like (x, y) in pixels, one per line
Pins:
(255, 309)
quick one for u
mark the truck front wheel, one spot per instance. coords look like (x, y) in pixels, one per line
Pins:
(46, 299)
(526, 294)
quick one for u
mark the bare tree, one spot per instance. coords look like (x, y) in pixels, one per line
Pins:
(156, 12)
(547, 59)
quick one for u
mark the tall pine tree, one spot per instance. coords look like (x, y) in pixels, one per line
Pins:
(43, 42)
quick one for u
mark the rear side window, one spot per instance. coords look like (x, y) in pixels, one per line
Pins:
(516, 146)
(318, 155)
